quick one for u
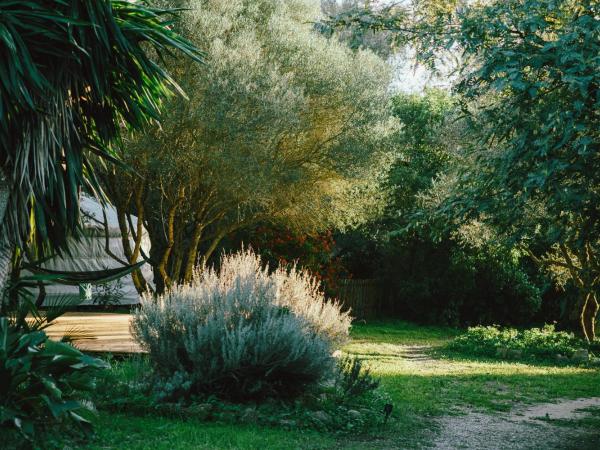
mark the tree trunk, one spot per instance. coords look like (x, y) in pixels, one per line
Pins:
(582, 266)
(139, 282)
(212, 247)
(193, 253)
(157, 248)
(6, 249)
(176, 263)
(163, 265)
(589, 311)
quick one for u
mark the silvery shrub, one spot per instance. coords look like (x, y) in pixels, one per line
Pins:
(242, 331)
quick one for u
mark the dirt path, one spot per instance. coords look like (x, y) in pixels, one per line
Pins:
(563, 410)
(526, 428)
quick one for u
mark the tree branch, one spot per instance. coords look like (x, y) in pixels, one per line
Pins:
(162, 267)
(543, 262)
(571, 266)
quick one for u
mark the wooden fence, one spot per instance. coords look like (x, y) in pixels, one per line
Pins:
(366, 298)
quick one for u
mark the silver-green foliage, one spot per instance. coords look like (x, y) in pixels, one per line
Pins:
(241, 331)
(281, 126)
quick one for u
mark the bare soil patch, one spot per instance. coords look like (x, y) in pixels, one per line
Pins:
(525, 427)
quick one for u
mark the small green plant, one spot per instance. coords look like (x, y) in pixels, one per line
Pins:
(126, 386)
(108, 294)
(174, 388)
(507, 343)
(42, 382)
(354, 379)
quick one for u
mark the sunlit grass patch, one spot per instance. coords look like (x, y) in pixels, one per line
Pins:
(425, 382)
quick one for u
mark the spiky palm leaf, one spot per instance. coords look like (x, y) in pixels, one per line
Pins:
(73, 74)
(26, 314)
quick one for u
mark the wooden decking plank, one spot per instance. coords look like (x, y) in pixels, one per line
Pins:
(105, 332)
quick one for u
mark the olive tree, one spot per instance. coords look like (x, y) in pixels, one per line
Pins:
(282, 125)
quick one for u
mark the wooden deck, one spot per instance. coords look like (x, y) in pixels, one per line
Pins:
(103, 332)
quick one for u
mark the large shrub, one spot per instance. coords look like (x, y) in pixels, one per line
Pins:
(445, 282)
(241, 332)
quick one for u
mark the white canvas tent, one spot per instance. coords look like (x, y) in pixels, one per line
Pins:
(89, 254)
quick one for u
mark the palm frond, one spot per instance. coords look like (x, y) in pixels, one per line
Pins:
(75, 278)
(72, 73)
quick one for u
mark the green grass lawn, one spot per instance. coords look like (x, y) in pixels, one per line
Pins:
(422, 384)
(151, 433)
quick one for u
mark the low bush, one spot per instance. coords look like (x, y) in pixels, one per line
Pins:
(128, 388)
(108, 294)
(42, 382)
(241, 332)
(354, 379)
(493, 341)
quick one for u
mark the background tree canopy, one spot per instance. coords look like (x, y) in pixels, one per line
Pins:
(435, 269)
(528, 87)
(532, 94)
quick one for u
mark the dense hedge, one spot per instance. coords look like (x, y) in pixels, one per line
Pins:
(453, 285)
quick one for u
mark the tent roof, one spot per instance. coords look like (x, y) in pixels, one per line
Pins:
(93, 218)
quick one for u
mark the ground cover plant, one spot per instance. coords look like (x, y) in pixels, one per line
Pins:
(44, 385)
(350, 403)
(542, 343)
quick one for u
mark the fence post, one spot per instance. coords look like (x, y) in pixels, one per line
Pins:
(364, 297)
